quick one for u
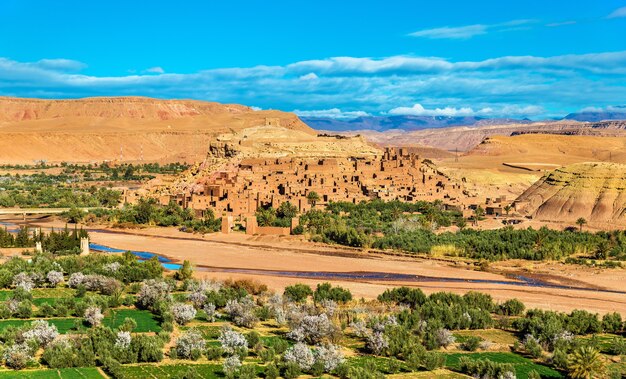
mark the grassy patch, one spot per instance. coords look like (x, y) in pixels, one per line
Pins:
(522, 365)
(207, 371)
(64, 373)
(145, 321)
(492, 335)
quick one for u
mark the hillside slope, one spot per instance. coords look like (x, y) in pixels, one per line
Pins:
(123, 128)
(595, 191)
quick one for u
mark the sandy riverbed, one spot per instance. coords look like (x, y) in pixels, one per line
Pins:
(294, 254)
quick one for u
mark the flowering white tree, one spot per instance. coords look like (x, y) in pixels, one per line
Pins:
(123, 339)
(54, 277)
(112, 267)
(17, 356)
(231, 365)
(211, 314)
(23, 281)
(329, 355)
(377, 342)
(444, 337)
(183, 313)
(359, 328)
(232, 341)
(42, 332)
(301, 355)
(93, 315)
(188, 343)
(311, 328)
(153, 291)
(75, 279)
(197, 298)
(242, 312)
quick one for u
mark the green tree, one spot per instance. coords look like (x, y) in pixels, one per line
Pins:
(585, 363)
(581, 222)
(287, 210)
(298, 292)
(185, 272)
(312, 197)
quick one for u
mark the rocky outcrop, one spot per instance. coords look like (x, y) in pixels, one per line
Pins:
(594, 191)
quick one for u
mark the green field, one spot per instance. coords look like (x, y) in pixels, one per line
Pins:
(522, 365)
(145, 321)
(64, 373)
(207, 371)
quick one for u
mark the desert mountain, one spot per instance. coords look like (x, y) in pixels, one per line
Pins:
(595, 191)
(124, 128)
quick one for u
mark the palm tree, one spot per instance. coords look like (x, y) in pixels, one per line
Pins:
(585, 363)
(580, 222)
(313, 197)
(507, 209)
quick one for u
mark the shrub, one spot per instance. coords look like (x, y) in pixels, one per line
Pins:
(271, 371)
(511, 307)
(471, 343)
(298, 292)
(326, 291)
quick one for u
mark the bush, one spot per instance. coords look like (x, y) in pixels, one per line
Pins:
(298, 292)
(326, 291)
(471, 343)
(511, 307)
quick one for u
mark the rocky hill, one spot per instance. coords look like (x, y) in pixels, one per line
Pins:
(595, 191)
(123, 128)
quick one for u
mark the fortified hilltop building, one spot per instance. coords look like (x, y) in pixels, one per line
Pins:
(239, 189)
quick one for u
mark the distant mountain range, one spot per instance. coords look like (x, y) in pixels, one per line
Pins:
(413, 123)
(615, 113)
(382, 123)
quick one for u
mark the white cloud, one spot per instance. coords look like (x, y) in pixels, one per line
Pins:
(469, 31)
(618, 13)
(309, 76)
(331, 113)
(505, 111)
(155, 70)
(324, 87)
(609, 108)
(461, 32)
(562, 23)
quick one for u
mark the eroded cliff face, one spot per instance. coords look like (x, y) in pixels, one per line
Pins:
(594, 191)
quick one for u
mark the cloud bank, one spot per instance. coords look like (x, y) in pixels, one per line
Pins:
(343, 87)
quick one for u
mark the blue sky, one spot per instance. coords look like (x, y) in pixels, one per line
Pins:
(333, 58)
